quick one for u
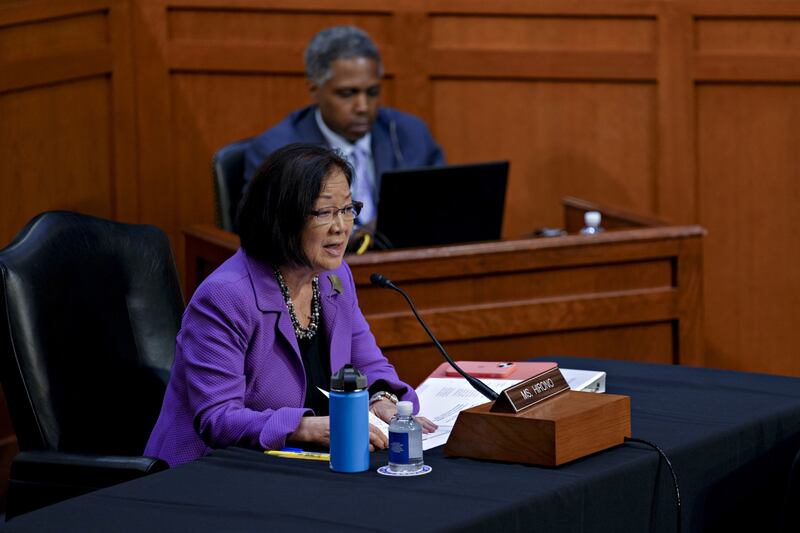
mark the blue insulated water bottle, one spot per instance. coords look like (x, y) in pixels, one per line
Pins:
(349, 415)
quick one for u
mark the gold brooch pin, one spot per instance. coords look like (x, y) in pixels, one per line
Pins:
(336, 283)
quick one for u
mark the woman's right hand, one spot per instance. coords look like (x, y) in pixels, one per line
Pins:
(377, 439)
(316, 429)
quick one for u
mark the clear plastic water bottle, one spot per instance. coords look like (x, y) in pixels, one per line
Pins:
(405, 440)
(591, 223)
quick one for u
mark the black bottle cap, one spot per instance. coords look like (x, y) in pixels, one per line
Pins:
(348, 379)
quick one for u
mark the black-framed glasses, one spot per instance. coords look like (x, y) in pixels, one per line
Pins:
(327, 214)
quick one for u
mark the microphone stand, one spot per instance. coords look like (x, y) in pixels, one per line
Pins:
(572, 426)
(381, 281)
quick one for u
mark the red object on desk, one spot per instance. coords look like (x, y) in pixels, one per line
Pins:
(518, 370)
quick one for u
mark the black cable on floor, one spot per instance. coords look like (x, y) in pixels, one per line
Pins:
(671, 471)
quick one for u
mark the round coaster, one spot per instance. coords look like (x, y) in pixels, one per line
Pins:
(385, 471)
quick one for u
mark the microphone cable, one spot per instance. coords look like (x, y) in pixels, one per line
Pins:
(382, 242)
(398, 154)
(671, 471)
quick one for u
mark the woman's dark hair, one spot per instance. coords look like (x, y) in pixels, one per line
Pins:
(275, 207)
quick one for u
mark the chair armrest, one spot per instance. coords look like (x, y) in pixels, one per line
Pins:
(40, 478)
(82, 469)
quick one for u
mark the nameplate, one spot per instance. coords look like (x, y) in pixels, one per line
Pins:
(528, 393)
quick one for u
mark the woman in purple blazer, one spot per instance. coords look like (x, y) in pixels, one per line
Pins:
(272, 324)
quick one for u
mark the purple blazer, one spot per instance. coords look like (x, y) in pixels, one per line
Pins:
(238, 378)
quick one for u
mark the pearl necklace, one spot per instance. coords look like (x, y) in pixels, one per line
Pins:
(300, 331)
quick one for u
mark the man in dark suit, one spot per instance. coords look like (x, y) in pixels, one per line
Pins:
(344, 71)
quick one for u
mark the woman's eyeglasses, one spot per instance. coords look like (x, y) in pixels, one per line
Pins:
(327, 214)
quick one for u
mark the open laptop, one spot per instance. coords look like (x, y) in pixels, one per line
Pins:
(432, 206)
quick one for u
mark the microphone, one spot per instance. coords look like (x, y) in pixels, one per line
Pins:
(382, 281)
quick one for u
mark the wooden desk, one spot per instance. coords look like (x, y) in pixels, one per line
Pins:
(628, 294)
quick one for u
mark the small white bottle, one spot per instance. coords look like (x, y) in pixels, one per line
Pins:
(405, 440)
(591, 221)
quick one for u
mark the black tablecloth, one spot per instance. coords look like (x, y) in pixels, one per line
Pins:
(730, 436)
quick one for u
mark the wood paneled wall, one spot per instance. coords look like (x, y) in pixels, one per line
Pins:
(685, 110)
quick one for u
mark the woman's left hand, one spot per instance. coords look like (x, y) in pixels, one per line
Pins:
(427, 425)
(386, 409)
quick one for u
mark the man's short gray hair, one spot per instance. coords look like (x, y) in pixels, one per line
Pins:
(338, 42)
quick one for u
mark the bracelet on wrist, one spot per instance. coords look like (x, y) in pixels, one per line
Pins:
(378, 396)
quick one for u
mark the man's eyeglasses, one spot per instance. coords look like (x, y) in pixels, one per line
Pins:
(327, 214)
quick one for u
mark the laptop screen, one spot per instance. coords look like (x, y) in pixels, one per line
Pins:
(433, 206)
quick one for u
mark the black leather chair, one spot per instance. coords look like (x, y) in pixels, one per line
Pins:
(228, 170)
(89, 311)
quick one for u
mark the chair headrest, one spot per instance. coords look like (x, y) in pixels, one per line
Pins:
(228, 170)
(90, 309)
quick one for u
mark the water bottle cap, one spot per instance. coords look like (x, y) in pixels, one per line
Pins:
(405, 408)
(348, 379)
(592, 218)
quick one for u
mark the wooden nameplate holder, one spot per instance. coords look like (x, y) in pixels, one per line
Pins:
(541, 422)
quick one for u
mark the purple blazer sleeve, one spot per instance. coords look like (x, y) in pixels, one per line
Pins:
(214, 342)
(238, 378)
